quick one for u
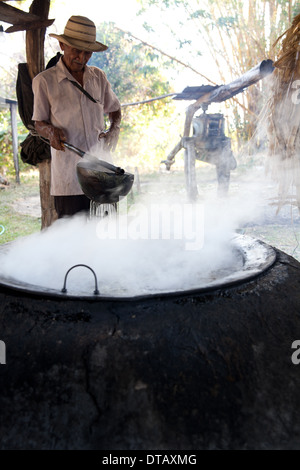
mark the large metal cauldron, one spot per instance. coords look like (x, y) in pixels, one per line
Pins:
(183, 371)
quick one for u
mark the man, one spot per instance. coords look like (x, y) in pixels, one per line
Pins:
(70, 100)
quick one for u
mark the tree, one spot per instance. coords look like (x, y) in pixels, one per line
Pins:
(136, 74)
(237, 35)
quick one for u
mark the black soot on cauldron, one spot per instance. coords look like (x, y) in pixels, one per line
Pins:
(208, 367)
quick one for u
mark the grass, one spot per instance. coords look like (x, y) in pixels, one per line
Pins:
(12, 223)
(285, 238)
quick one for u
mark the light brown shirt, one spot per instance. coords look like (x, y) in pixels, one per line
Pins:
(60, 103)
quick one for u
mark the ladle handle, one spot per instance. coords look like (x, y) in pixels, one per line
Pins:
(81, 153)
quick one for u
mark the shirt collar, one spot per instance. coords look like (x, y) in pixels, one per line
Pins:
(63, 73)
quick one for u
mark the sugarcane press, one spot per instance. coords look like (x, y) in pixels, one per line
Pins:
(209, 144)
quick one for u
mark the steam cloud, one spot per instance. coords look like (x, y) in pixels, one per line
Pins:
(149, 260)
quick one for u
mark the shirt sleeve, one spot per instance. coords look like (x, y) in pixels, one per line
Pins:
(111, 102)
(41, 105)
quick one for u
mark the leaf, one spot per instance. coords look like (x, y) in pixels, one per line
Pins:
(200, 14)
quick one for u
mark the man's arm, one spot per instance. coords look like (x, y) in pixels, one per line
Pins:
(55, 135)
(111, 136)
(115, 118)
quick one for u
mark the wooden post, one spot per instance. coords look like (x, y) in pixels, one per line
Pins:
(190, 168)
(35, 39)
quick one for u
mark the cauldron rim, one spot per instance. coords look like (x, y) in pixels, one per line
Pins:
(243, 242)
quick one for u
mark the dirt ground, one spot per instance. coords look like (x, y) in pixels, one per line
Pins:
(28, 206)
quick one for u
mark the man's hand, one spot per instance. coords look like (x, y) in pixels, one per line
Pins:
(111, 137)
(55, 135)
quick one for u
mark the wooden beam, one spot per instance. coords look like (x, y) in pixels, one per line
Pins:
(14, 15)
(225, 92)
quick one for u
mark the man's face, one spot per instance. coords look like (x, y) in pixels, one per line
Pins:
(75, 59)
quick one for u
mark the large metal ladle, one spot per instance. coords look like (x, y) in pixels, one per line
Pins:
(101, 181)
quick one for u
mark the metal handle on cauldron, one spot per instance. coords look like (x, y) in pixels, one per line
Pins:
(81, 153)
(64, 289)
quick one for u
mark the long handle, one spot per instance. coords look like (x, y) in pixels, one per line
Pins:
(81, 153)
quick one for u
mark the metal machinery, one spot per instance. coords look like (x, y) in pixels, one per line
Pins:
(208, 144)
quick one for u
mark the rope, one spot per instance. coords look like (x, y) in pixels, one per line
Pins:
(148, 101)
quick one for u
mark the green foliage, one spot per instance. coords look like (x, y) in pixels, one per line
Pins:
(226, 22)
(132, 69)
(6, 151)
(200, 14)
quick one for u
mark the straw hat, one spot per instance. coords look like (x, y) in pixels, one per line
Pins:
(80, 32)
